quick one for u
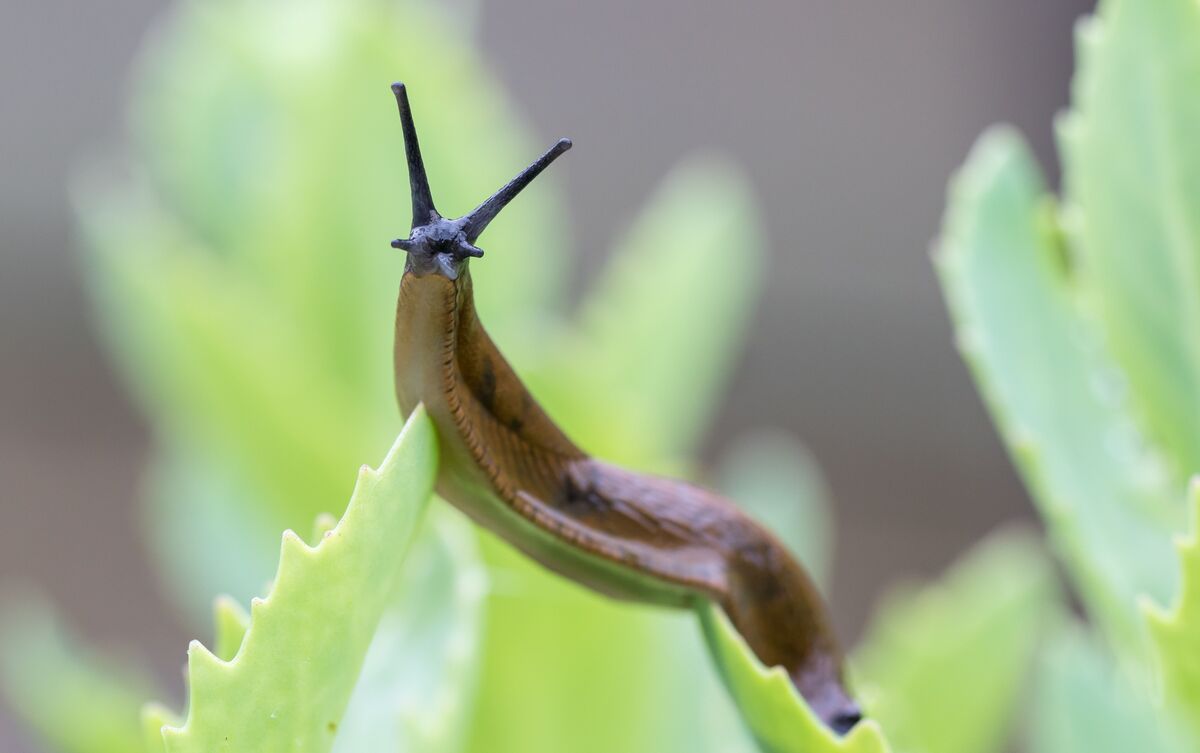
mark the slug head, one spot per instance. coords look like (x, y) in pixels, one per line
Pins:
(440, 245)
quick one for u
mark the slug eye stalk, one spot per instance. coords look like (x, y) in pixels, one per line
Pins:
(437, 244)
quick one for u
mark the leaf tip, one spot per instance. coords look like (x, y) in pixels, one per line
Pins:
(293, 540)
(203, 664)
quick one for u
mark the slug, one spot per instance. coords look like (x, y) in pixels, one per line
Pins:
(507, 465)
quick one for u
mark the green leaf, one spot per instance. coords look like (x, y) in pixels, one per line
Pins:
(232, 622)
(1176, 633)
(1131, 166)
(1108, 504)
(288, 686)
(418, 678)
(943, 666)
(658, 332)
(778, 717)
(77, 700)
(774, 478)
(1083, 703)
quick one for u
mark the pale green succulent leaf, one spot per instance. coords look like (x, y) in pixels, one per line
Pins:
(1108, 502)
(288, 686)
(1131, 169)
(324, 523)
(246, 284)
(944, 666)
(423, 660)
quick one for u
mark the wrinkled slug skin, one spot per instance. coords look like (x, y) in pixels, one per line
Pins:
(630, 536)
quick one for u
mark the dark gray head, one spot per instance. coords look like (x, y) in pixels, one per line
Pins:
(435, 243)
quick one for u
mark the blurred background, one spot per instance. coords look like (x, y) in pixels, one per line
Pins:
(848, 116)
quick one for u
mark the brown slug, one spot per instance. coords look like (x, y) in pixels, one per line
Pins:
(511, 469)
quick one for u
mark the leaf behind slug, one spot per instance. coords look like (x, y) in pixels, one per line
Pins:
(1109, 505)
(1131, 176)
(775, 713)
(289, 683)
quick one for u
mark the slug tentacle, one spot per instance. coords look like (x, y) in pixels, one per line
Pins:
(423, 211)
(437, 244)
(477, 221)
(509, 467)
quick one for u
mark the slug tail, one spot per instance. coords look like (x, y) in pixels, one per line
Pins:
(423, 210)
(776, 607)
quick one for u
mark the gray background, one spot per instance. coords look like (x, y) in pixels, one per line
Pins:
(850, 116)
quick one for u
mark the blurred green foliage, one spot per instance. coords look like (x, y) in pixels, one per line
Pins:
(1108, 504)
(78, 699)
(242, 281)
(990, 611)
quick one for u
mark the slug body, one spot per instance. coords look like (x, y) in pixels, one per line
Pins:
(511, 469)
